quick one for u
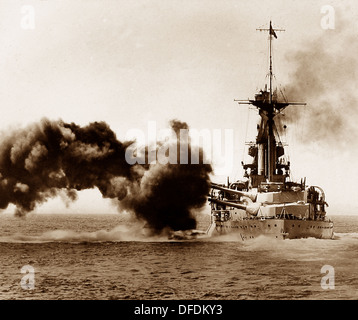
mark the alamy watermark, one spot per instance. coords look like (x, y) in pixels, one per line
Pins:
(328, 20)
(182, 146)
(327, 281)
(27, 21)
(28, 280)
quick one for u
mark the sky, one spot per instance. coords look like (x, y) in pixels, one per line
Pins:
(131, 62)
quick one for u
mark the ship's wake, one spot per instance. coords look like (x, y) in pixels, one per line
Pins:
(139, 231)
(264, 242)
(121, 233)
(346, 236)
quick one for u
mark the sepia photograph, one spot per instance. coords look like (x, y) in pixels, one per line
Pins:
(177, 155)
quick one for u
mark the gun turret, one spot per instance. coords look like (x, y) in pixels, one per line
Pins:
(232, 191)
(251, 209)
(227, 203)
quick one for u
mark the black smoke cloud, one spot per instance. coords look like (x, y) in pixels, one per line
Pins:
(54, 158)
(165, 195)
(325, 77)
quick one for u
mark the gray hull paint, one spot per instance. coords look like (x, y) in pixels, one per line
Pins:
(275, 228)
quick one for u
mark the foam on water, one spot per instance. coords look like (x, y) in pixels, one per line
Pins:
(138, 232)
(119, 233)
(88, 258)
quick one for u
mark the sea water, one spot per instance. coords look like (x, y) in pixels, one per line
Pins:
(81, 256)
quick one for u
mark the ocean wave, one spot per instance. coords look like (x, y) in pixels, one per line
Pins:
(345, 235)
(119, 233)
(136, 232)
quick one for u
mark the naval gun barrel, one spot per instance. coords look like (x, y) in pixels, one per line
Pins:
(252, 209)
(232, 191)
(227, 203)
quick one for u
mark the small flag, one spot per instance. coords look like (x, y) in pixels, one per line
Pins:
(272, 31)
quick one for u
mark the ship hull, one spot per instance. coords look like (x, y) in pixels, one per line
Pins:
(275, 228)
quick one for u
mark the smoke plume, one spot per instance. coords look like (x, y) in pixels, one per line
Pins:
(325, 78)
(54, 158)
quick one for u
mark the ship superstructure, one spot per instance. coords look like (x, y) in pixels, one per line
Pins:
(268, 202)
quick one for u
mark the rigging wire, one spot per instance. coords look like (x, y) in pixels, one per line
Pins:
(273, 63)
(246, 136)
(278, 134)
(304, 122)
(284, 144)
(283, 95)
(292, 145)
(260, 79)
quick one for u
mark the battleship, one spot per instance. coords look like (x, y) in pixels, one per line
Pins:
(266, 201)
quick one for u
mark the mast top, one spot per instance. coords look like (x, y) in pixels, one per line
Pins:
(266, 100)
(272, 33)
(270, 30)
